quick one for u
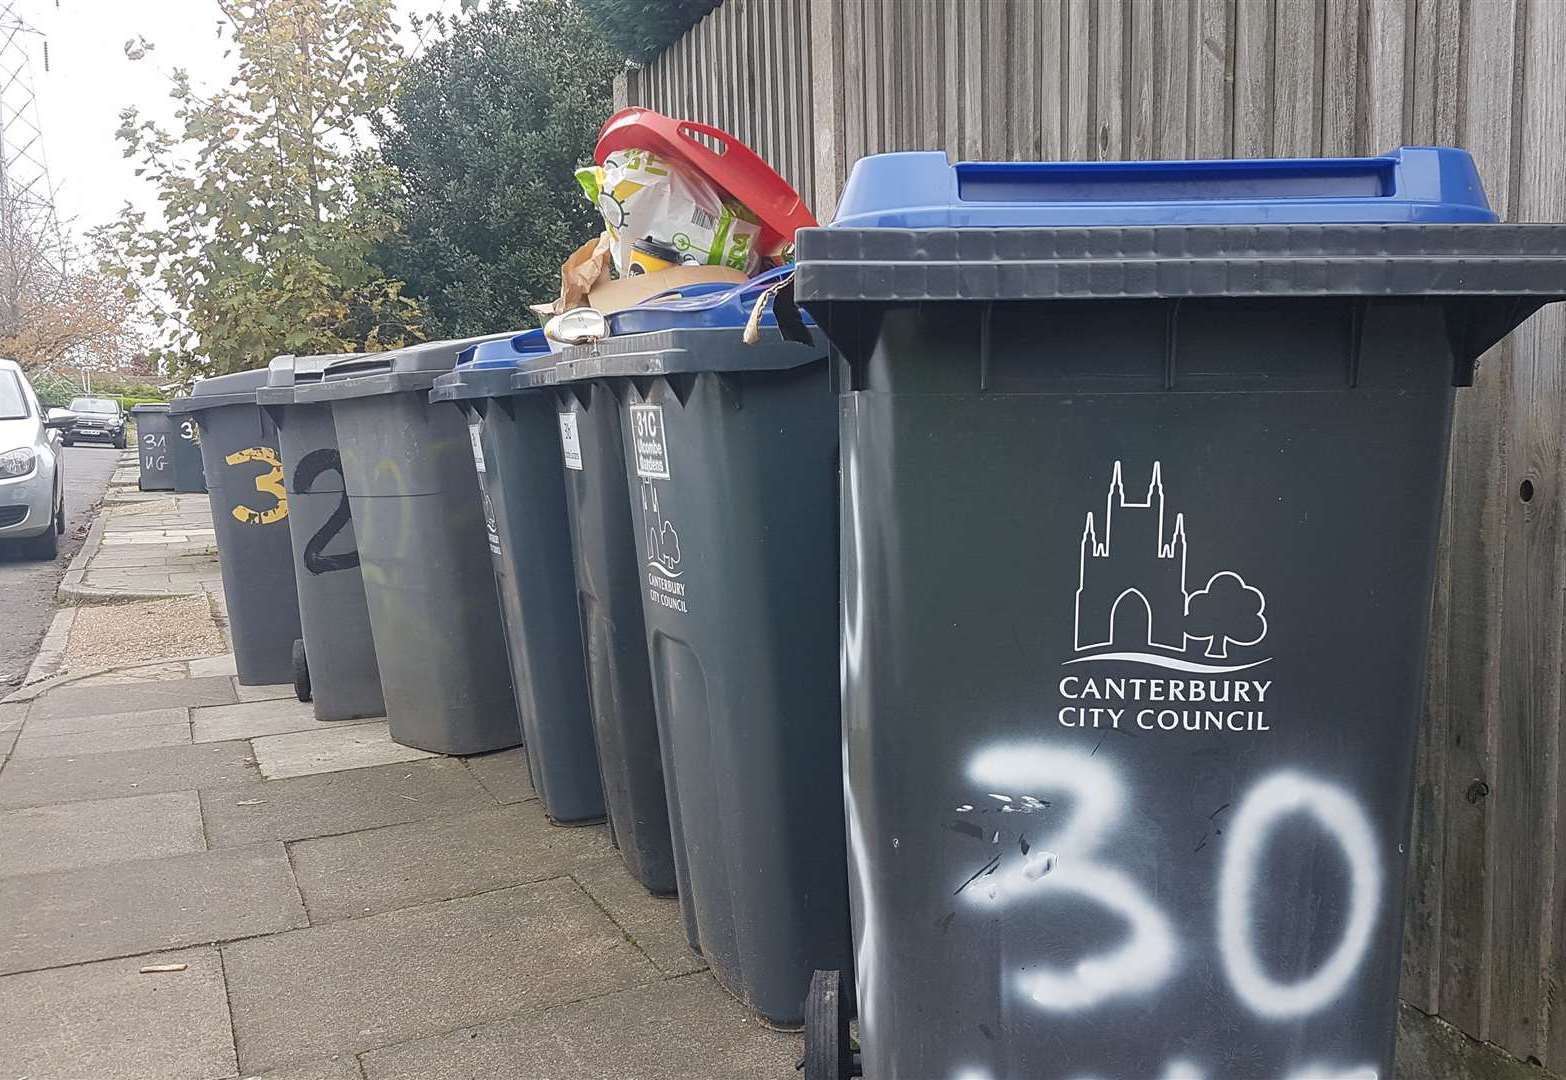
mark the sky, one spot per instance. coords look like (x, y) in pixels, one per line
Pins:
(90, 79)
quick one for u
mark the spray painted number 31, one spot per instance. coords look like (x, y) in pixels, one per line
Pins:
(267, 483)
(1068, 862)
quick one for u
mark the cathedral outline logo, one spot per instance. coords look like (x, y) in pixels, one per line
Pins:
(1137, 603)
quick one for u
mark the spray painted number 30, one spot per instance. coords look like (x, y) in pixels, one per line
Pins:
(1065, 862)
(268, 483)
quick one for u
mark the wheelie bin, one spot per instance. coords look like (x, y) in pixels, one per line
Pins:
(334, 660)
(730, 457)
(154, 447)
(517, 455)
(185, 458)
(634, 766)
(1142, 473)
(413, 496)
(250, 519)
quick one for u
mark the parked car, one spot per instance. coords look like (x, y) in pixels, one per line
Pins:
(32, 466)
(99, 419)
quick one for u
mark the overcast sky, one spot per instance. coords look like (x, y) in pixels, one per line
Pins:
(90, 80)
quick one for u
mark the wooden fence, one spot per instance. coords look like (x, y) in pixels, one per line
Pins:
(815, 84)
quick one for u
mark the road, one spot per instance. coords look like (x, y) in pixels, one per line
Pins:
(26, 587)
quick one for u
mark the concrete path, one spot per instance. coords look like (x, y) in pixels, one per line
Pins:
(201, 882)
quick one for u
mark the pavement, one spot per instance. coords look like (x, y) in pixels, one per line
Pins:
(199, 881)
(27, 588)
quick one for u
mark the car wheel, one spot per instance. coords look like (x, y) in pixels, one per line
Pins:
(65, 441)
(119, 441)
(59, 518)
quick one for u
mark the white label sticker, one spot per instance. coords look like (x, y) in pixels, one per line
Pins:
(478, 447)
(652, 453)
(570, 445)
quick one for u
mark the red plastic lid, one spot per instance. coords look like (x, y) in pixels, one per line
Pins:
(734, 167)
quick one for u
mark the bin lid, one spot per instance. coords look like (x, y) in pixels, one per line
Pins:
(238, 388)
(287, 371)
(485, 368)
(924, 190)
(709, 305)
(150, 407)
(687, 351)
(1413, 223)
(404, 370)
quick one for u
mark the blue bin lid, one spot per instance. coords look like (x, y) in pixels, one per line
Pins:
(504, 352)
(707, 306)
(923, 190)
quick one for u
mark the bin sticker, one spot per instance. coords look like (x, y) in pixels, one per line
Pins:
(478, 447)
(570, 444)
(664, 556)
(267, 483)
(652, 452)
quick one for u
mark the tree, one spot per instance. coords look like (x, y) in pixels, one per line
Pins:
(1226, 612)
(269, 208)
(55, 308)
(485, 135)
(644, 28)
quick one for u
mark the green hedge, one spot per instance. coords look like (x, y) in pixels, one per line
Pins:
(642, 29)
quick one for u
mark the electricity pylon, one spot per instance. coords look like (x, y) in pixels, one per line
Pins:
(32, 244)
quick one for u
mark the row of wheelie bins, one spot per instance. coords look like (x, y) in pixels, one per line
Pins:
(1019, 647)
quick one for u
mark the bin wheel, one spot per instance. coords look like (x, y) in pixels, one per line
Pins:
(301, 672)
(829, 1052)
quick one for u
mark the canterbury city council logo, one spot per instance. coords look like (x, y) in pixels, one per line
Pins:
(1136, 604)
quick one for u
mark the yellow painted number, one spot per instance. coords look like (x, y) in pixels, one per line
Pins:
(268, 483)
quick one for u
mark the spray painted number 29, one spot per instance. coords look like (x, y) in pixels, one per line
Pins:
(267, 483)
(1067, 862)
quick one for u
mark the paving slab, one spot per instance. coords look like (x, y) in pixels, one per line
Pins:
(263, 692)
(45, 839)
(334, 748)
(222, 664)
(166, 672)
(328, 803)
(79, 743)
(672, 1030)
(113, 721)
(126, 908)
(363, 873)
(252, 719)
(504, 775)
(339, 1067)
(36, 781)
(653, 922)
(361, 983)
(12, 714)
(7, 740)
(109, 1020)
(122, 697)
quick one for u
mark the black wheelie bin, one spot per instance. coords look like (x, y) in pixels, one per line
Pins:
(1142, 476)
(250, 518)
(517, 455)
(729, 452)
(334, 660)
(419, 525)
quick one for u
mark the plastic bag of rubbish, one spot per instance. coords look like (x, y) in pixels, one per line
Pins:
(659, 214)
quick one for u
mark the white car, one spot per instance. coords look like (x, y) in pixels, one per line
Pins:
(32, 466)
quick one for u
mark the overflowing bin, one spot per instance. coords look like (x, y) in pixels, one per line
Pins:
(334, 662)
(250, 519)
(1142, 472)
(730, 455)
(185, 458)
(154, 447)
(413, 496)
(633, 762)
(517, 455)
